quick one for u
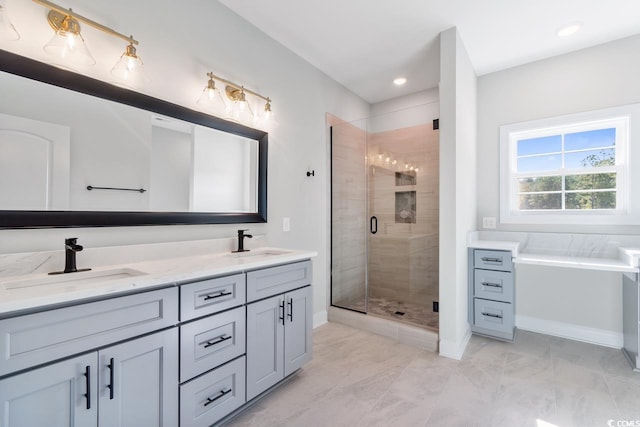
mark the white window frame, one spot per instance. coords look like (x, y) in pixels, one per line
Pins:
(625, 119)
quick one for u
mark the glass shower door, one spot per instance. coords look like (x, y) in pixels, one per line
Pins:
(385, 216)
(403, 197)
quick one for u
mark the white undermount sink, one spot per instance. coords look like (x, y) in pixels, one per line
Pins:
(260, 253)
(72, 280)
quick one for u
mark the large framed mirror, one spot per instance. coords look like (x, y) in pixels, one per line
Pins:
(79, 152)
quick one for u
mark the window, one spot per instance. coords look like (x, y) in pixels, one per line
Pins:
(565, 170)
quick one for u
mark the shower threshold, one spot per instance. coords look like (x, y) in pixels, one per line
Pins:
(402, 332)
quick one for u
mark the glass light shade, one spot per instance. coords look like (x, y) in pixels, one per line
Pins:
(267, 119)
(68, 45)
(240, 111)
(211, 99)
(7, 30)
(129, 68)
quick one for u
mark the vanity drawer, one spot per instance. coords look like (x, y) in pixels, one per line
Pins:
(494, 285)
(42, 337)
(277, 280)
(206, 297)
(493, 315)
(209, 398)
(211, 341)
(492, 260)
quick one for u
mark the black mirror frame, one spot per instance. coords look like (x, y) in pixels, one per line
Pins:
(35, 70)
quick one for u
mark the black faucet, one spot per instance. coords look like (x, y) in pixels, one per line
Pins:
(71, 246)
(241, 237)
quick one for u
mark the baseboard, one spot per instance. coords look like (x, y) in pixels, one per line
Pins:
(453, 349)
(574, 332)
(319, 318)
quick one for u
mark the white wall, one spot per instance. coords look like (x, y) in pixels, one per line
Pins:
(598, 77)
(458, 93)
(179, 43)
(405, 111)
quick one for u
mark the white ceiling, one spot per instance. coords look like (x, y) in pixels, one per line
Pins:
(365, 44)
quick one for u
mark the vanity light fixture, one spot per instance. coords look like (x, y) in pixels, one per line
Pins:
(238, 107)
(267, 115)
(211, 98)
(130, 67)
(7, 30)
(69, 45)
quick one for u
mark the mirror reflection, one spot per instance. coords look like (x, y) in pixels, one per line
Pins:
(56, 143)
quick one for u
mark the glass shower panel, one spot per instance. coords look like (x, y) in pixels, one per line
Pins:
(349, 224)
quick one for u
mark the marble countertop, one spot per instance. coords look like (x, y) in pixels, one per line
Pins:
(582, 251)
(24, 292)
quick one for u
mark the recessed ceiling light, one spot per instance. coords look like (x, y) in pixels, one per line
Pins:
(399, 81)
(569, 30)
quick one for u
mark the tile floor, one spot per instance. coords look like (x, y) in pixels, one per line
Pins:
(360, 379)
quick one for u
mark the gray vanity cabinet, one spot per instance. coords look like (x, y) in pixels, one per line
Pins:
(491, 293)
(53, 396)
(279, 328)
(298, 339)
(138, 382)
(130, 384)
(265, 345)
(128, 358)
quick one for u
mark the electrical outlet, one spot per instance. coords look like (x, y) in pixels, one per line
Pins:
(286, 224)
(436, 306)
(488, 222)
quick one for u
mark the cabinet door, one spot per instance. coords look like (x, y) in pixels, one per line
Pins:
(265, 344)
(298, 326)
(139, 382)
(58, 395)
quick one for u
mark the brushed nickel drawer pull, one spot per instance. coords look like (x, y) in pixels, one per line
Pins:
(492, 285)
(219, 295)
(496, 316)
(487, 259)
(217, 340)
(222, 393)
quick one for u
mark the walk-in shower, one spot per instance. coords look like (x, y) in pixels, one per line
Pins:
(384, 216)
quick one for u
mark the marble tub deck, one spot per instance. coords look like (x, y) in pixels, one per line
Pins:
(361, 379)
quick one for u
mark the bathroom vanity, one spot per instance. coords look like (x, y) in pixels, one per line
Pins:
(160, 343)
(493, 255)
(491, 293)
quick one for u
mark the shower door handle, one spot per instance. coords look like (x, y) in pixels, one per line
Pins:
(373, 225)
